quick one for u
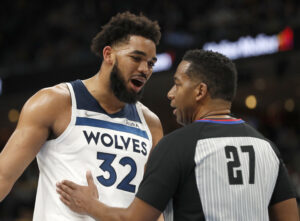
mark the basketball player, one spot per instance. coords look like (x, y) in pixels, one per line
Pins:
(216, 168)
(95, 124)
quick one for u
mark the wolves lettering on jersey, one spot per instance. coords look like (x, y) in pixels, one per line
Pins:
(106, 140)
(108, 124)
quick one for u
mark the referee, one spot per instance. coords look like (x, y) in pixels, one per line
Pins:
(215, 168)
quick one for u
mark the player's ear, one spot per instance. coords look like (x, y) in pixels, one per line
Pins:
(201, 91)
(108, 55)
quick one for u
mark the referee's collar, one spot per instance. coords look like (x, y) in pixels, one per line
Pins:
(221, 120)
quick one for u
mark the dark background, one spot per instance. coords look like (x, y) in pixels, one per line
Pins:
(43, 43)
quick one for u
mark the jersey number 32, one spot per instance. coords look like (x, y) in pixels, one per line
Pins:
(107, 166)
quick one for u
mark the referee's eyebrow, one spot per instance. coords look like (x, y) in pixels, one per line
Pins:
(138, 52)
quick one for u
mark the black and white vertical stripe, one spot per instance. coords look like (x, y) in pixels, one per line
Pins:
(169, 212)
(223, 201)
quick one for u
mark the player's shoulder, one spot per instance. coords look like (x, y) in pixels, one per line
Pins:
(56, 92)
(50, 97)
(45, 105)
(59, 90)
(149, 115)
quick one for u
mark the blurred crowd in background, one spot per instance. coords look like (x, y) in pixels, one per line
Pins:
(46, 35)
(56, 32)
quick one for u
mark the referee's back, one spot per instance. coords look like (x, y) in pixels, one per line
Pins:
(216, 170)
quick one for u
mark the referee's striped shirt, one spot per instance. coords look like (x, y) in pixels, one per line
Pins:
(215, 170)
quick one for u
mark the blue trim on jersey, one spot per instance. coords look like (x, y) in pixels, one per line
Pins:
(231, 121)
(83, 121)
(85, 101)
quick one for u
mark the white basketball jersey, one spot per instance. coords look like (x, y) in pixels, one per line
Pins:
(115, 147)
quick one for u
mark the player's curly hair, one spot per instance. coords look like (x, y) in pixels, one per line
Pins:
(121, 27)
(214, 69)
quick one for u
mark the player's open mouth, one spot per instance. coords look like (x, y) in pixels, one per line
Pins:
(137, 83)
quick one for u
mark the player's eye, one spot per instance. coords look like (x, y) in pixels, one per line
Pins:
(151, 64)
(135, 58)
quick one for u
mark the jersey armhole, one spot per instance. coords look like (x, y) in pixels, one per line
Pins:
(141, 115)
(73, 116)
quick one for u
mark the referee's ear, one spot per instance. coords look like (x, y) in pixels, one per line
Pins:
(201, 91)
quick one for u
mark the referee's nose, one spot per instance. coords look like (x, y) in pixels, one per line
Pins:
(170, 94)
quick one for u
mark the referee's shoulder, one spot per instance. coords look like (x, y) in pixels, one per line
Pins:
(180, 134)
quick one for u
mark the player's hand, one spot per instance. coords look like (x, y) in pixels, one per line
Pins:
(78, 197)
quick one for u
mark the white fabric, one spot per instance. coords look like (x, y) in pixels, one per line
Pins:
(71, 155)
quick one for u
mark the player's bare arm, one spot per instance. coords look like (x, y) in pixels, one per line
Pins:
(284, 211)
(154, 125)
(38, 120)
(84, 200)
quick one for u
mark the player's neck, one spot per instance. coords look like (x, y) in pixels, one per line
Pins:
(99, 87)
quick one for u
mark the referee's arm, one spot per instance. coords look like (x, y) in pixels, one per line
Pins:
(283, 205)
(284, 211)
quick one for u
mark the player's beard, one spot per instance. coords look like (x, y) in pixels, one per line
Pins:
(118, 86)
